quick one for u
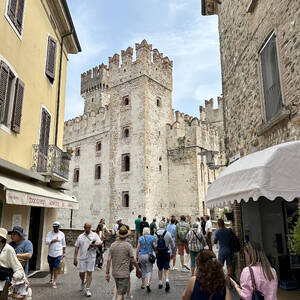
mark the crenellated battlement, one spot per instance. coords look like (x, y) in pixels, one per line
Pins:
(210, 114)
(122, 68)
(86, 123)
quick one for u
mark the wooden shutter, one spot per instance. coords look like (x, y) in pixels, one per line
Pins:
(271, 80)
(12, 7)
(51, 58)
(17, 113)
(19, 17)
(4, 78)
(45, 131)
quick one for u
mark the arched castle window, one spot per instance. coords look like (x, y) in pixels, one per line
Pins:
(76, 176)
(158, 101)
(126, 133)
(98, 146)
(77, 151)
(125, 101)
(98, 172)
(125, 199)
(125, 163)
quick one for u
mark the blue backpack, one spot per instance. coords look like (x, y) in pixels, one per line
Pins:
(161, 247)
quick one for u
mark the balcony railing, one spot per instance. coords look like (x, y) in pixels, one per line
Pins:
(51, 161)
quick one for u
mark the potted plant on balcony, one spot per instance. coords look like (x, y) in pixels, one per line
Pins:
(68, 154)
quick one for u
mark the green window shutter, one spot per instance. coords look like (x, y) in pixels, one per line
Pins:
(4, 77)
(17, 113)
(51, 59)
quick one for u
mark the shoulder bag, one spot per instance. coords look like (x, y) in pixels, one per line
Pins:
(151, 258)
(203, 243)
(234, 243)
(256, 295)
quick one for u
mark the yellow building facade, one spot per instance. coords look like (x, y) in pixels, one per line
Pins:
(36, 38)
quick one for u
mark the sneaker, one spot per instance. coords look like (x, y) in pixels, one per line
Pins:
(174, 269)
(148, 289)
(82, 286)
(184, 270)
(128, 297)
(167, 286)
(160, 286)
(88, 293)
(187, 267)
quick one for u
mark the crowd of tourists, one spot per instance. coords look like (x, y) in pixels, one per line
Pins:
(156, 243)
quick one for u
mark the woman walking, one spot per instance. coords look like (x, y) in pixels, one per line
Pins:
(196, 242)
(209, 282)
(146, 244)
(100, 249)
(258, 273)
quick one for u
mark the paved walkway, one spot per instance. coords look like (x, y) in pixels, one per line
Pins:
(68, 285)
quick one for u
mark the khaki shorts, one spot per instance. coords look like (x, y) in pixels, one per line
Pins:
(181, 248)
(122, 285)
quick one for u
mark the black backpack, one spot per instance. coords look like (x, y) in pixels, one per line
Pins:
(161, 247)
(235, 245)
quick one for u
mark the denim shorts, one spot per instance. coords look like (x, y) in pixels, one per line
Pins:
(225, 256)
(54, 262)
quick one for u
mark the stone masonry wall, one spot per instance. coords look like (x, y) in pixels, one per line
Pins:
(242, 35)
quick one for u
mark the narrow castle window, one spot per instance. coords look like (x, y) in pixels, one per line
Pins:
(125, 101)
(76, 176)
(158, 102)
(159, 167)
(125, 163)
(92, 99)
(126, 133)
(77, 151)
(160, 158)
(125, 199)
(98, 146)
(98, 172)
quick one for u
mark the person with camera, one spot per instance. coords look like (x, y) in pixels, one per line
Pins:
(86, 244)
(9, 262)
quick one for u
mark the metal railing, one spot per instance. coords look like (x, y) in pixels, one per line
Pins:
(51, 161)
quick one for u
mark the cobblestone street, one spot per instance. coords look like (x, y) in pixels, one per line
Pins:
(68, 285)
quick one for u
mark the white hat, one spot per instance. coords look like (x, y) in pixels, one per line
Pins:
(3, 233)
(118, 219)
(56, 224)
(18, 277)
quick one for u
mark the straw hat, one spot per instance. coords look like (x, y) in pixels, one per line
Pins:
(123, 232)
(3, 233)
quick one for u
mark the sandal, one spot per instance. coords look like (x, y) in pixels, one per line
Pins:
(54, 285)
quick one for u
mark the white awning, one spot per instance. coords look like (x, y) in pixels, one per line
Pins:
(21, 192)
(273, 172)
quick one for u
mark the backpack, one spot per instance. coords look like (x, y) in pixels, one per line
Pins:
(182, 231)
(161, 244)
(234, 243)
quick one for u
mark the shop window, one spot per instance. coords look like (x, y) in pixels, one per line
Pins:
(77, 151)
(125, 163)
(98, 146)
(98, 172)
(76, 176)
(270, 78)
(15, 13)
(11, 98)
(125, 199)
(51, 59)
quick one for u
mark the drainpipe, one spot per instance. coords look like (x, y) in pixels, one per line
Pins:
(59, 83)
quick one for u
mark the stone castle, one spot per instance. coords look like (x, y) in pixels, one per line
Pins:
(132, 154)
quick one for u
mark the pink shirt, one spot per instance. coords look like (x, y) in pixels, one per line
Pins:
(268, 288)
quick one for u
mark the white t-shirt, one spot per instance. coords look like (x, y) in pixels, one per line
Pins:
(208, 226)
(83, 242)
(56, 249)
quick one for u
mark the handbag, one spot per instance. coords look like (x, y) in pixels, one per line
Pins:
(137, 273)
(5, 273)
(256, 295)
(152, 258)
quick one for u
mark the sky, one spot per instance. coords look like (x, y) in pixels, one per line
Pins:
(174, 27)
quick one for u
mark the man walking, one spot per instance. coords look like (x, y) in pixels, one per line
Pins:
(223, 235)
(153, 227)
(57, 250)
(137, 228)
(143, 224)
(120, 256)
(208, 232)
(182, 229)
(116, 226)
(163, 244)
(22, 246)
(86, 244)
(172, 229)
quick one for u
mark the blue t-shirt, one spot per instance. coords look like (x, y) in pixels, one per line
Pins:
(146, 248)
(223, 237)
(172, 229)
(24, 247)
